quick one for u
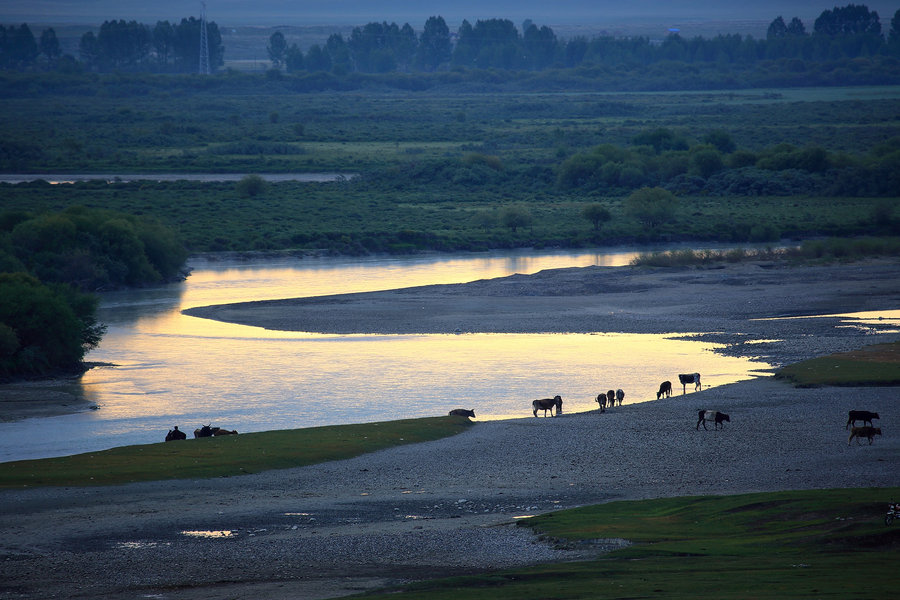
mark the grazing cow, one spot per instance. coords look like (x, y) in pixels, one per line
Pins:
(620, 395)
(686, 378)
(601, 400)
(712, 415)
(863, 432)
(546, 404)
(461, 412)
(175, 435)
(665, 389)
(860, 415)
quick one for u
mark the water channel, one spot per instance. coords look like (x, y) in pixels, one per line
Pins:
(172, 369)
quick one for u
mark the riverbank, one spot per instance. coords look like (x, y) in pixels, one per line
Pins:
(449, 507)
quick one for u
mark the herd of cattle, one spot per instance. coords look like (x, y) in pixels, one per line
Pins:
(615, 397)
(201, 432)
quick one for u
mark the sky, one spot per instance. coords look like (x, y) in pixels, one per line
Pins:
(415, 12)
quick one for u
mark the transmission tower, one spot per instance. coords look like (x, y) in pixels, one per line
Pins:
(204, 42)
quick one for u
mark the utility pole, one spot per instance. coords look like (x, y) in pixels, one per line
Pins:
(204, 42)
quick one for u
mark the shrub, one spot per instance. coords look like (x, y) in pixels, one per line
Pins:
(651, 206)
(251, 185)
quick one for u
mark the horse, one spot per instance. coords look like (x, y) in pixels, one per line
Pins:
(462, 412)
(546, 404)
(601, 400)
(175, 435)
(686, 378)
(665, 389)
(712, 415)
(620, 395)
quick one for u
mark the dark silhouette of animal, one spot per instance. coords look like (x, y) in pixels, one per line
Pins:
(175, 434)
(601, 400)
(611, 398)
(205, 431)
(620, 395)
(546, 404)
(863, 432)
(712, 415)
(686, 378)
(860, 415)
(461, 412)
(665, 389)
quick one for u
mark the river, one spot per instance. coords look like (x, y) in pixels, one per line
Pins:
(172, 369)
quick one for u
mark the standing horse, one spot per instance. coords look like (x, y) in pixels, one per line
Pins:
(546, 404)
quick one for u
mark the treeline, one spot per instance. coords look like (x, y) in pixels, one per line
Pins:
(849, 32)
(841, 33)
(117, 46)
(47, 264)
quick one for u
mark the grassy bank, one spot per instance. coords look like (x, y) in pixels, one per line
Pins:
(873, 365)
(225, 456)
(795, 544)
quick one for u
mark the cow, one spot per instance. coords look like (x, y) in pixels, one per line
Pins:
(860, 415)
(863, 432)
(665, 389)
(546, 404)
(620, 395)
(611, 398)
(712, 415)
(462, 412)
(686, 378)
(175, 434)
(601, 400)
(219, 431)
(205, 431)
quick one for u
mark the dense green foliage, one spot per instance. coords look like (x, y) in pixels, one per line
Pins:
(226, 456)
(91, 249)
(43, 329)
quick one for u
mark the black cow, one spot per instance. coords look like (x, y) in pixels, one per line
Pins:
(712, 415)
(665, 389)
(177, 434)
(686, 378)
(462, 412)
(546, 404)
(860, 415)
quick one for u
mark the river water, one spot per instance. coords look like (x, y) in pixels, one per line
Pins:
(172, 369)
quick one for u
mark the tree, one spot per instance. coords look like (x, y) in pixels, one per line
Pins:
(50, 45)
(277, 48)
(43, 329)
(721, 139)
(89, 50)
(19, 49)
(251, 185)
(515, 217)
(596, 213)
(894, 33)
(434, 44)
(850, 19)
(651, 206)
(293, 59)
(163, 41)
(777, 29)
(317, 59)
(796, 27)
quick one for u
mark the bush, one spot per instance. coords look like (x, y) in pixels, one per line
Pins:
(651, 206)
(251, 185)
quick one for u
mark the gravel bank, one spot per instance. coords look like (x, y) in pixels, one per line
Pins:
(449, 506)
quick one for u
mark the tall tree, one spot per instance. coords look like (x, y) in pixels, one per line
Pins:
(277, 47)
(434, 44)
(163, 41)
(850, 19)
(50, 46)
(777, 29)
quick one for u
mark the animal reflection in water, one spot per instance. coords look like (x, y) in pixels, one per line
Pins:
(207, 431)
(546, 404)
(719, 418)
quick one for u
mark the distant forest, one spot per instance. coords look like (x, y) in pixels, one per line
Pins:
(842, 33)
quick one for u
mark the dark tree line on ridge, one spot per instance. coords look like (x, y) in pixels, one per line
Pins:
(843, 32)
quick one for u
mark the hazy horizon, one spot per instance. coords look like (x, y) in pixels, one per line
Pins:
(357, 12)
